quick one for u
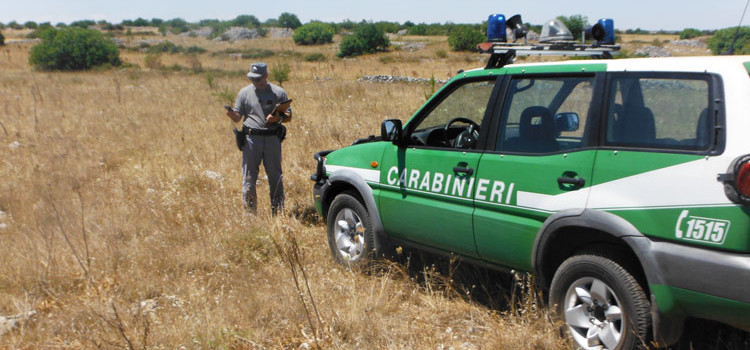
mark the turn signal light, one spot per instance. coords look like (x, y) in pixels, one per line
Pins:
(374, 164)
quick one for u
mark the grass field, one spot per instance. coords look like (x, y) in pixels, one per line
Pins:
(121, 223)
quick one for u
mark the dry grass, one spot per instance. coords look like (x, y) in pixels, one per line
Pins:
(123, 225)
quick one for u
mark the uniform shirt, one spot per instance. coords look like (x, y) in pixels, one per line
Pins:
(254, 105)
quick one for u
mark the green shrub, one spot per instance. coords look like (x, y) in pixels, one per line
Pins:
(722, 40)
(2, 39)
(465, 39)
(689, 33)
(419, 29)
(166, 47)
(83, 23)
(427, 29)
(313, 33)
(73, 49)
(315, 57)
(195, 49)
(350, 46)
(289, 20)
(367, 38)
(256, 53)
(247, 21)
(280, 73)
(372, 37)
(441, 53)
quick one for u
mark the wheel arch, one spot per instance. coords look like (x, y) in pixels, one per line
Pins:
(573, 231)
(345, 180)
(570, 231)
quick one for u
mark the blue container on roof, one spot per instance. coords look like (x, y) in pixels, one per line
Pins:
(609, 31)
(496, 28)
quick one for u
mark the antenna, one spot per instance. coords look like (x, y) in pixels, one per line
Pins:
(737, 33)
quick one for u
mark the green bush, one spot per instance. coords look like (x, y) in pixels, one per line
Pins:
(280, 73)
(2, 39)
(247, 21)
(73, 49)
(289, 20)
(195, 49)
(166, 47)
(465, 39)
(350, 46)
(83, 23)
(722, 40)
(689, 33)
(367, 38)
(313, 33)
(315, 57)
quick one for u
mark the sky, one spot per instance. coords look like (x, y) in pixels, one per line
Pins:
(627, 14)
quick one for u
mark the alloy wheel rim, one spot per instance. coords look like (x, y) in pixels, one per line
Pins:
(594, 314)
(349, 233)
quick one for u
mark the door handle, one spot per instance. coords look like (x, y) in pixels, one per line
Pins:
(575, 181)
(461, 169)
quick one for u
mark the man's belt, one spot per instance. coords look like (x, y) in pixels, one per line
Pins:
(262, 131)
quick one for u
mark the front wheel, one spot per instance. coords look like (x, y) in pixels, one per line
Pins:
(350, 234)
(602, 304)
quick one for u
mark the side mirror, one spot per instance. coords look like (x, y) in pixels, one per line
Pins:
(567, 121)
(390, 130)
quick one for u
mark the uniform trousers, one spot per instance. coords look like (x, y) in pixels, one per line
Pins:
(264, 149)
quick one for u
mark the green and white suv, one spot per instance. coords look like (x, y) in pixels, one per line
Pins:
(622, 185)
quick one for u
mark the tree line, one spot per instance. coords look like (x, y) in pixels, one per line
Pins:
(357, 37)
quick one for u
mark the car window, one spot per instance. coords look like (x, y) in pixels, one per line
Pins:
(454, 121)
(543, 115)
(658, 112)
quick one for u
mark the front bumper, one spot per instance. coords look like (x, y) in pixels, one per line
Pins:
(321, 182)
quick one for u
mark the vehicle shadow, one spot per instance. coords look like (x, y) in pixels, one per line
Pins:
(516, 293)
(504, 291)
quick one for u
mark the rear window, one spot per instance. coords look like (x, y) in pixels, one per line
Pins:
(659, 112)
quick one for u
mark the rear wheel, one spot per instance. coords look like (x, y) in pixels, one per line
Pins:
(350, 234)
(602, 304)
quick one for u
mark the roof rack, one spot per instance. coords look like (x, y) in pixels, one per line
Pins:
(504, 53)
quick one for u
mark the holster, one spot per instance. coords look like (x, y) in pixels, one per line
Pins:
(281, 133)
(239, 136)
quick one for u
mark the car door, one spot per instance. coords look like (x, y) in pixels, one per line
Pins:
(540, 163)
(427, 186)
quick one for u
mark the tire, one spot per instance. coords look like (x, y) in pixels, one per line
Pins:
(602, 305)
(350, 234)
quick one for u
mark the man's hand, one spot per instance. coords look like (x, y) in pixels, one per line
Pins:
(233, 115)
(271, 119)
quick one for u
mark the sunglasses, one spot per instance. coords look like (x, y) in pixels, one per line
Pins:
(257, 79)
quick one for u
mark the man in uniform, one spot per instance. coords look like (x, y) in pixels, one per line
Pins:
(254, 106)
